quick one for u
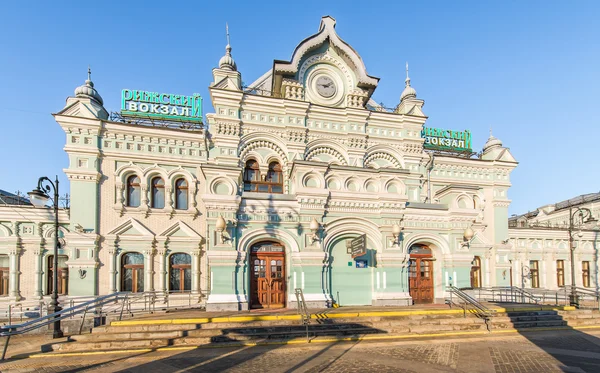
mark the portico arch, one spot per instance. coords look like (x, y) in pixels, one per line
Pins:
(270, 272)
(348, 280)
(420, 264)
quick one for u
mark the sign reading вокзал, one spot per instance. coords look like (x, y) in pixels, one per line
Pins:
(161, 105)
(442, 139)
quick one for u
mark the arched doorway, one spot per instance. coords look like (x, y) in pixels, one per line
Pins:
(420, 274)
(267, 275)
(476, 273)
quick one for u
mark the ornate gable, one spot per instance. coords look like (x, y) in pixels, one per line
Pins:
(325, 70)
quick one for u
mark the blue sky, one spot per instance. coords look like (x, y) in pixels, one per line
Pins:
(528, 69)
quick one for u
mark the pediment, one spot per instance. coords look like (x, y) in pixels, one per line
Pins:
(82, 107)
(131, 228)
(179, 229)
(506, 156)
(326, 48)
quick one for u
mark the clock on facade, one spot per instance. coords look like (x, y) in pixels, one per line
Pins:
(325, 86)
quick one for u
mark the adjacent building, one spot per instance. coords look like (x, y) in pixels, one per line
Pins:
(297, 181)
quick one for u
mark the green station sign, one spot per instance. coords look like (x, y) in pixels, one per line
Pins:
(161, 105)
(446, 140)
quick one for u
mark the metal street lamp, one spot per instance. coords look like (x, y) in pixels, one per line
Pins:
(585, 217)
(39, 197)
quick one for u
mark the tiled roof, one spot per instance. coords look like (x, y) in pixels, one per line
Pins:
(7, 198)
(579, 200)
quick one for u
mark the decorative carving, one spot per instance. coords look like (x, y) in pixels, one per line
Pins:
(357, 98)
(292, 89)
(326, 150)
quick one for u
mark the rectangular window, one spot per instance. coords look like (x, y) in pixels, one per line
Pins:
(585, 272)
(63, 275)
(535, 275)
(4, 274)
(560, 273)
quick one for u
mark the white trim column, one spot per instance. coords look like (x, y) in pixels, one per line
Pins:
(112, 273)
(148, 270)
(196, 271)
(37, 285)
(161, 271)
(13, 282)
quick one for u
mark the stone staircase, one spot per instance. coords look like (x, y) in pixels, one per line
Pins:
(152, 334)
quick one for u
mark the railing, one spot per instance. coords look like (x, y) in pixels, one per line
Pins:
(302, 309)
(506, 294)
(469, 304)
(584, 297)
(120, 304)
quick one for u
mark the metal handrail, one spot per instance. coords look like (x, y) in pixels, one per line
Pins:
(510, 294)
(302, 309)
(477, 308)
(10, 330)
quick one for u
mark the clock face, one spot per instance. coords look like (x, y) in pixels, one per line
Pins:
(326, 86)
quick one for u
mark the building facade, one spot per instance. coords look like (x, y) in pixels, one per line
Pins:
(299, 181)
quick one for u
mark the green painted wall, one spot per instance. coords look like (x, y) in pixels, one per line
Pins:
(350, 285)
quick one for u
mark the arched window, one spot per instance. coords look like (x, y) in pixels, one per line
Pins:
(275, 178)
(133, 191)
(181, 194)
(476, 272)
(251, 176)
(132, 272)
(63, 275)
(180, 272)
(158, 193)
(4, 275)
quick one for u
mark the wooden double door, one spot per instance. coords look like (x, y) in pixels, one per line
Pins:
(420, 279)
(267, 277)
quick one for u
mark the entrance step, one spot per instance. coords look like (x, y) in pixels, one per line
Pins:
(153, 334)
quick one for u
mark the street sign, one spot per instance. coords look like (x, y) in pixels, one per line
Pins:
(358, 246)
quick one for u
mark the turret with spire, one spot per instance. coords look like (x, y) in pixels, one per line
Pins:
(88, 90)
(409, 104)
(409, 92)
(86, 96)
(226, 75)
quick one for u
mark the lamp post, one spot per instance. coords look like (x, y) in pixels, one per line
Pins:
(39, 197)
(585, 216)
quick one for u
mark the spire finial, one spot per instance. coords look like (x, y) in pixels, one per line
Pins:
(491, 131)
(227, 30)
(407, 70)
(407, 81)
(89, 73)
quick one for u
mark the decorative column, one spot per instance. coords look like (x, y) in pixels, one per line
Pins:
(13, 281)
(488, 269)
(196, 271)
(120, 200)
(112, 273)
(169, 199)
(37, 285)
(148, 270)
(162, 272)
(144, 200)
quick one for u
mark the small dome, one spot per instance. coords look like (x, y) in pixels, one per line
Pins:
(227, 62)
(87, 90)
(409, 92)
(491, 143)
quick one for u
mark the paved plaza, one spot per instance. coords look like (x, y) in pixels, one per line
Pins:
(543, 351)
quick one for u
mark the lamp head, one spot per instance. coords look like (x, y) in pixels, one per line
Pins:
(221, 224)
(38, 197)
(396, 229)
(314, 225)
(468, 234)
